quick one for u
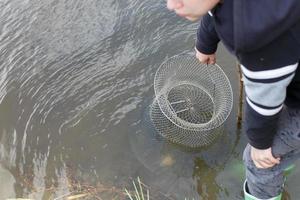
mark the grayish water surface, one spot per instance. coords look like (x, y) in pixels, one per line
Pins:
(76, 80)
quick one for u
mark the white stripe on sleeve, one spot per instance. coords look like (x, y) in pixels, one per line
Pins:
(268, 74)
(262, 111)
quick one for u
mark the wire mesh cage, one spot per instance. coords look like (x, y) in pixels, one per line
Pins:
(192, 101)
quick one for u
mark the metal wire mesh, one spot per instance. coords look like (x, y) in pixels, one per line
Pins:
(192, 101)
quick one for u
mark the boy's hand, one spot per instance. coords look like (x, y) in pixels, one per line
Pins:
(263, 158)
(206, 59)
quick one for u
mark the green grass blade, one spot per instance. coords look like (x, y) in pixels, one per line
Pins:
(141, 188)
(129, 195)
(148, 195)
(136, 191)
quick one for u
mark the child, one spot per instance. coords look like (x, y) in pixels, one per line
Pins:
(265, 38)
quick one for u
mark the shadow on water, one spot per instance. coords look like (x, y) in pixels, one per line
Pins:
(178, 171)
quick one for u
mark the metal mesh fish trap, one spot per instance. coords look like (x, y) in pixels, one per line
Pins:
(192, 101)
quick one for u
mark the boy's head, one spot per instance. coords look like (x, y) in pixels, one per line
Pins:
(191, 9)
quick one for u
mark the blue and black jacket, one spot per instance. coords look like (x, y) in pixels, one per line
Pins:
(265, 38)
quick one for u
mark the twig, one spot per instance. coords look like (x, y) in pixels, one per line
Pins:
(241, 96)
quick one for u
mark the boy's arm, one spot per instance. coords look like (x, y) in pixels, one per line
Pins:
(207, 38)
(257, 22)
(265, 95)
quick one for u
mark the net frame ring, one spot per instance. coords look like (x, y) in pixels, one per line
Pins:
(163, 83)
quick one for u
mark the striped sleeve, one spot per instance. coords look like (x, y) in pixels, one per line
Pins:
(265, 95)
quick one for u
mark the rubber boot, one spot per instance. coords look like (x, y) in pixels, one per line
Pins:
(248, 196)
(288, 170)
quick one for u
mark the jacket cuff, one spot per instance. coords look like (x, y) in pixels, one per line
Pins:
(206, 49)
(260, 129)
(262, 144)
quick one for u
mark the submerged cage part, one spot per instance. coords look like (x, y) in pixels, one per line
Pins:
(192, 101)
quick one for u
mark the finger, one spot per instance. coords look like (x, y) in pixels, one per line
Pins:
(257, 164)
(265, 164)
(267, 161)
(274, 160)
(198, 54)
(261, 165)
(212, 61)
(203, 60)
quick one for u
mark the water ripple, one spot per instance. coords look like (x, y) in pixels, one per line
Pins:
(73, 78)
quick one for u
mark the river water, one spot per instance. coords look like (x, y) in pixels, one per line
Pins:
(76, 82)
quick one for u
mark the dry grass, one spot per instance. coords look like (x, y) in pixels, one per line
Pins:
(70, 187)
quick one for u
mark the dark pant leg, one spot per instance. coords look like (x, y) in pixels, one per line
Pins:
(268, 183)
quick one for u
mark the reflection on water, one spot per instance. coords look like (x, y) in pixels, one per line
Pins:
(206, 183)
(76, 78)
